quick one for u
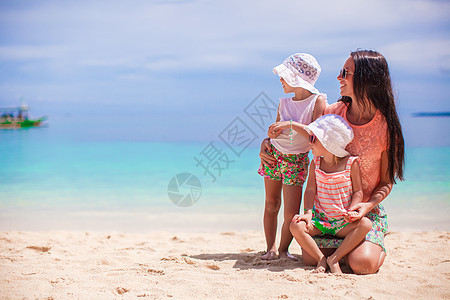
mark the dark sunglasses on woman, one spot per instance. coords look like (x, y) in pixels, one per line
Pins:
(344, 73)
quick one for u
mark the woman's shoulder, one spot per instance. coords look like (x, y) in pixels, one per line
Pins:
(377, 125)
(380, 119)
(337, 108)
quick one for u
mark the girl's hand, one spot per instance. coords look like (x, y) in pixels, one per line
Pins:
(277, 127)
(351, 216)
(357, 211)
(272, 134)
(305, 218)
(266, 159)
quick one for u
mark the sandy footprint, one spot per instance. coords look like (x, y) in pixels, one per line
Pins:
(290, 278)
(170, 258)
(247, 250)
(179, 260)
(156, 272)
(39, 249)
(188, 261)
(228, 233)
(213, 267)
(121, 290)
(104, 262)
(176, 239)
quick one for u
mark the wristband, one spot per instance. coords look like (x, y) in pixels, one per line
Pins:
(291, 132)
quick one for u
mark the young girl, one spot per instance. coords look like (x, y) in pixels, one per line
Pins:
(289, 144)
(334, 184)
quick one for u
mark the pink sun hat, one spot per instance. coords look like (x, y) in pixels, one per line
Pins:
(300, 70)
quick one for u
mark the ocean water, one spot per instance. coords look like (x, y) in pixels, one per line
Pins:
(88, 174)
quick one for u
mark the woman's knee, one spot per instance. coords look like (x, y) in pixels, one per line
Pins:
(365, 260)
(363, 266)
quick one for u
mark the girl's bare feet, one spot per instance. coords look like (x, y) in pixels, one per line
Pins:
(286, 254)
(270, 255)
(334, 266)
(321, 266)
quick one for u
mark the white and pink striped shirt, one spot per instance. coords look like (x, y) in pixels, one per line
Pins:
(334, 190)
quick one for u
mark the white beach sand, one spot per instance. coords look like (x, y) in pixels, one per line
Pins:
(223, 265)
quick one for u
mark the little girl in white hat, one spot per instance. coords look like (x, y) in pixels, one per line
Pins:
(289, 145)
(334, 184)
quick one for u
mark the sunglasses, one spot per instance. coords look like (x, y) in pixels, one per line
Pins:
(344, 73)
(312, 138)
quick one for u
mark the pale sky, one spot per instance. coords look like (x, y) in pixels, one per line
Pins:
(211, 57)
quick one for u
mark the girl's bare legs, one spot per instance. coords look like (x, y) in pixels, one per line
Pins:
(292, 199)
(354, 233)
(304, 238)
(308, 260)
(272, 206)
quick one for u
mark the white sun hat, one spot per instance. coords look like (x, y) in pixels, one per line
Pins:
(333, 132)
(300, 70)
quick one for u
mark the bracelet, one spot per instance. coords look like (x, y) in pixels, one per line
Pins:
(291, 133)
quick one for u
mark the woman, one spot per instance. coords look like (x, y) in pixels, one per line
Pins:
(367, 104)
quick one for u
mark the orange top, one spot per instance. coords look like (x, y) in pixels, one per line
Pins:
(369, 141)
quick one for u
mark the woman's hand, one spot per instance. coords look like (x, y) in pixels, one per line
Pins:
(307, 218)
(357, 211)
(266, 159)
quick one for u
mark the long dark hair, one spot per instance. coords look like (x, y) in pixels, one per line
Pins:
(372, 84)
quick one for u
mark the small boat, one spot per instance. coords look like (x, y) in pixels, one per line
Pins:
(17, 117)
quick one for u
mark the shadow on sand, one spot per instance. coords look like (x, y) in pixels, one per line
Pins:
(246, 261)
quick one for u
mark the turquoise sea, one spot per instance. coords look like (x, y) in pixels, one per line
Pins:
(94, 173)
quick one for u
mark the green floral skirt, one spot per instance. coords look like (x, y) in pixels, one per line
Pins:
(376, 235)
